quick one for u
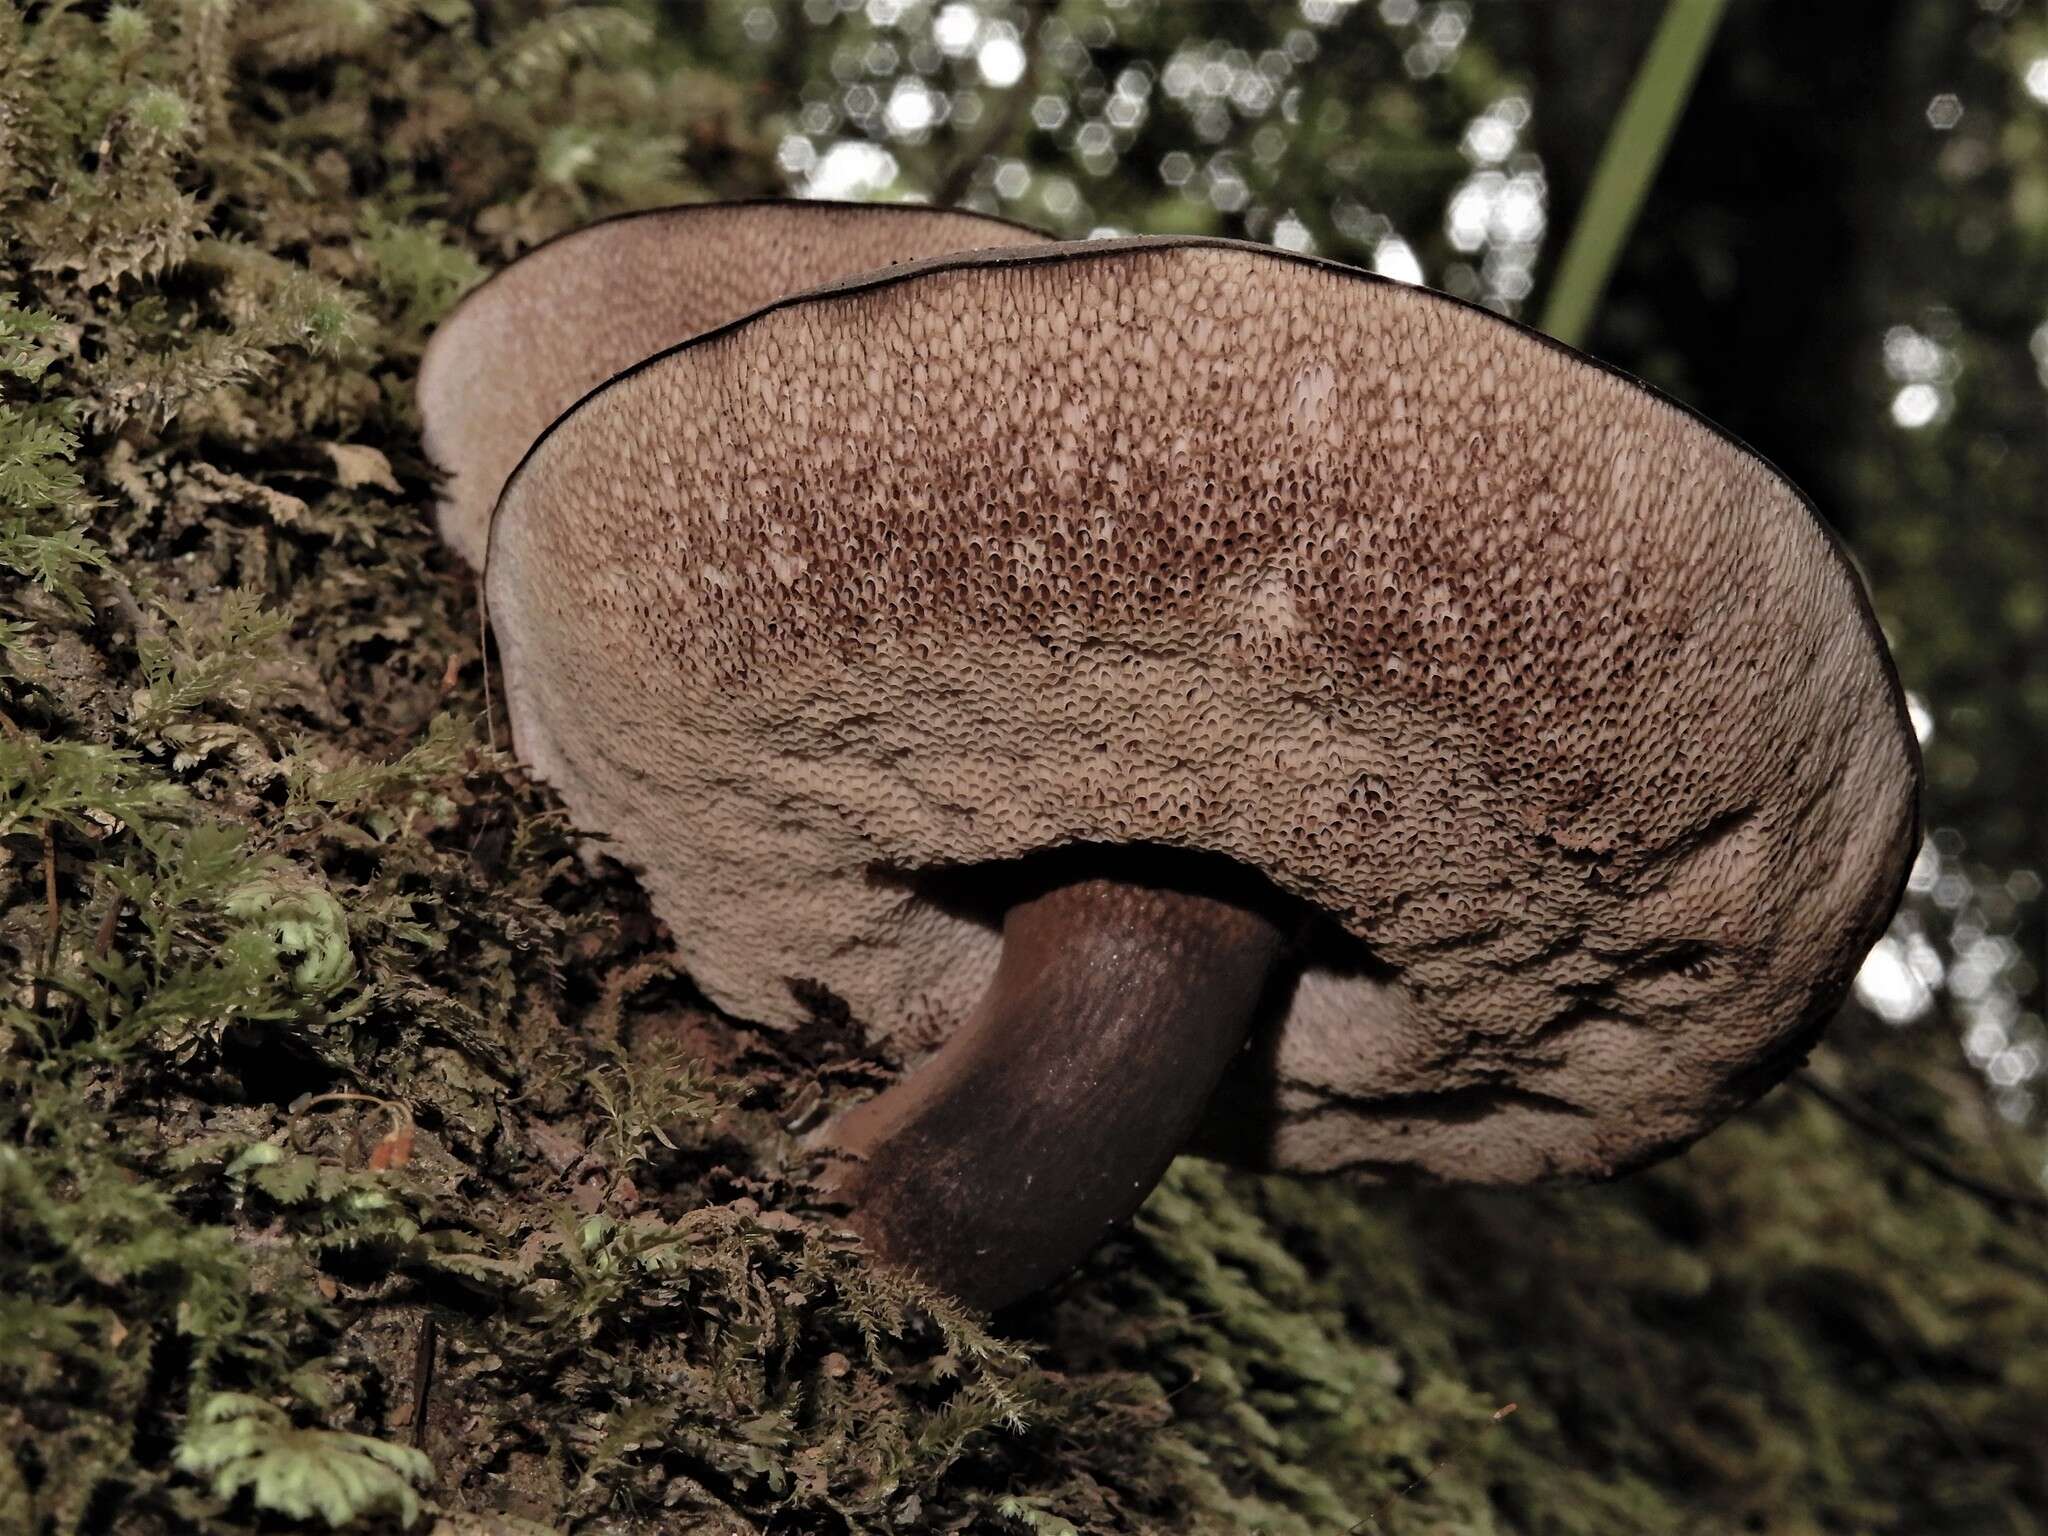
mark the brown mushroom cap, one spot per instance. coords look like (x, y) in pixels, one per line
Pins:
(527, 343)
(1563, 708)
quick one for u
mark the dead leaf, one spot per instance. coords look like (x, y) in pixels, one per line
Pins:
(358, 464)
(202, 485)
(394, 1151)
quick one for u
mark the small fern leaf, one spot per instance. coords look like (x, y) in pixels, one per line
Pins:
(290, 1182)
(240, 1443)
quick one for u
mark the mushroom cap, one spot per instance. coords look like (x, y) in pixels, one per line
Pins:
(528, 342)
(1562, 706)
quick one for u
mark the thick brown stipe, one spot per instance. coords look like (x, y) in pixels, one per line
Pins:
(1050, 1114)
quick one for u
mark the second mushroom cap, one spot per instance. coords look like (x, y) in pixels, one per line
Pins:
(527, 344)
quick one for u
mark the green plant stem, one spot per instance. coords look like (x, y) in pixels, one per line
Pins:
(1635, 147)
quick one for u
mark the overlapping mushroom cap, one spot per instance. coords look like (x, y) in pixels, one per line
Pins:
(1563, 709)
(527, 344)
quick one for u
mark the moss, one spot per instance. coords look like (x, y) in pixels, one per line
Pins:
(1774, 1333)
(348, 1118)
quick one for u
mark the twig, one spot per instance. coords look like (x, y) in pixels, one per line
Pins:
(102, 942)
(422, 1381)
(1876, 1125)
(55, 924)
(1996, 1132)
(483, 645)
(1435, 1467)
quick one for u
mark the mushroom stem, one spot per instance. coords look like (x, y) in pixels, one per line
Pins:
(1048, 1117)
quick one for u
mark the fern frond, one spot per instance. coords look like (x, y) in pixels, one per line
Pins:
(239, 1443)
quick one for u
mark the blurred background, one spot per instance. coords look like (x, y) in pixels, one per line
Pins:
(1843, 258)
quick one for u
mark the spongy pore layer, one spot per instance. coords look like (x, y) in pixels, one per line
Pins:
(1562, 704)
(527, 344)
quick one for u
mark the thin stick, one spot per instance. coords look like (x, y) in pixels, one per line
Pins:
(1874, 1124)
(102, 942)
(1437, 1466)
(1628, 164)
(422, 1381)
(1996, 1131)
(483, 645)
(55, 924)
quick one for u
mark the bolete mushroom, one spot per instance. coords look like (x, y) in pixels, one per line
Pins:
(525, 344)
(1069, 658)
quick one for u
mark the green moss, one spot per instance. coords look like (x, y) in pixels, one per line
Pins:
(332, 1057)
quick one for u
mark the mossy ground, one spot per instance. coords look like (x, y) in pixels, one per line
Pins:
(365, 1161)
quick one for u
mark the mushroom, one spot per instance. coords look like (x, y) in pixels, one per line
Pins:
(1075, 661)
(524, 345)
